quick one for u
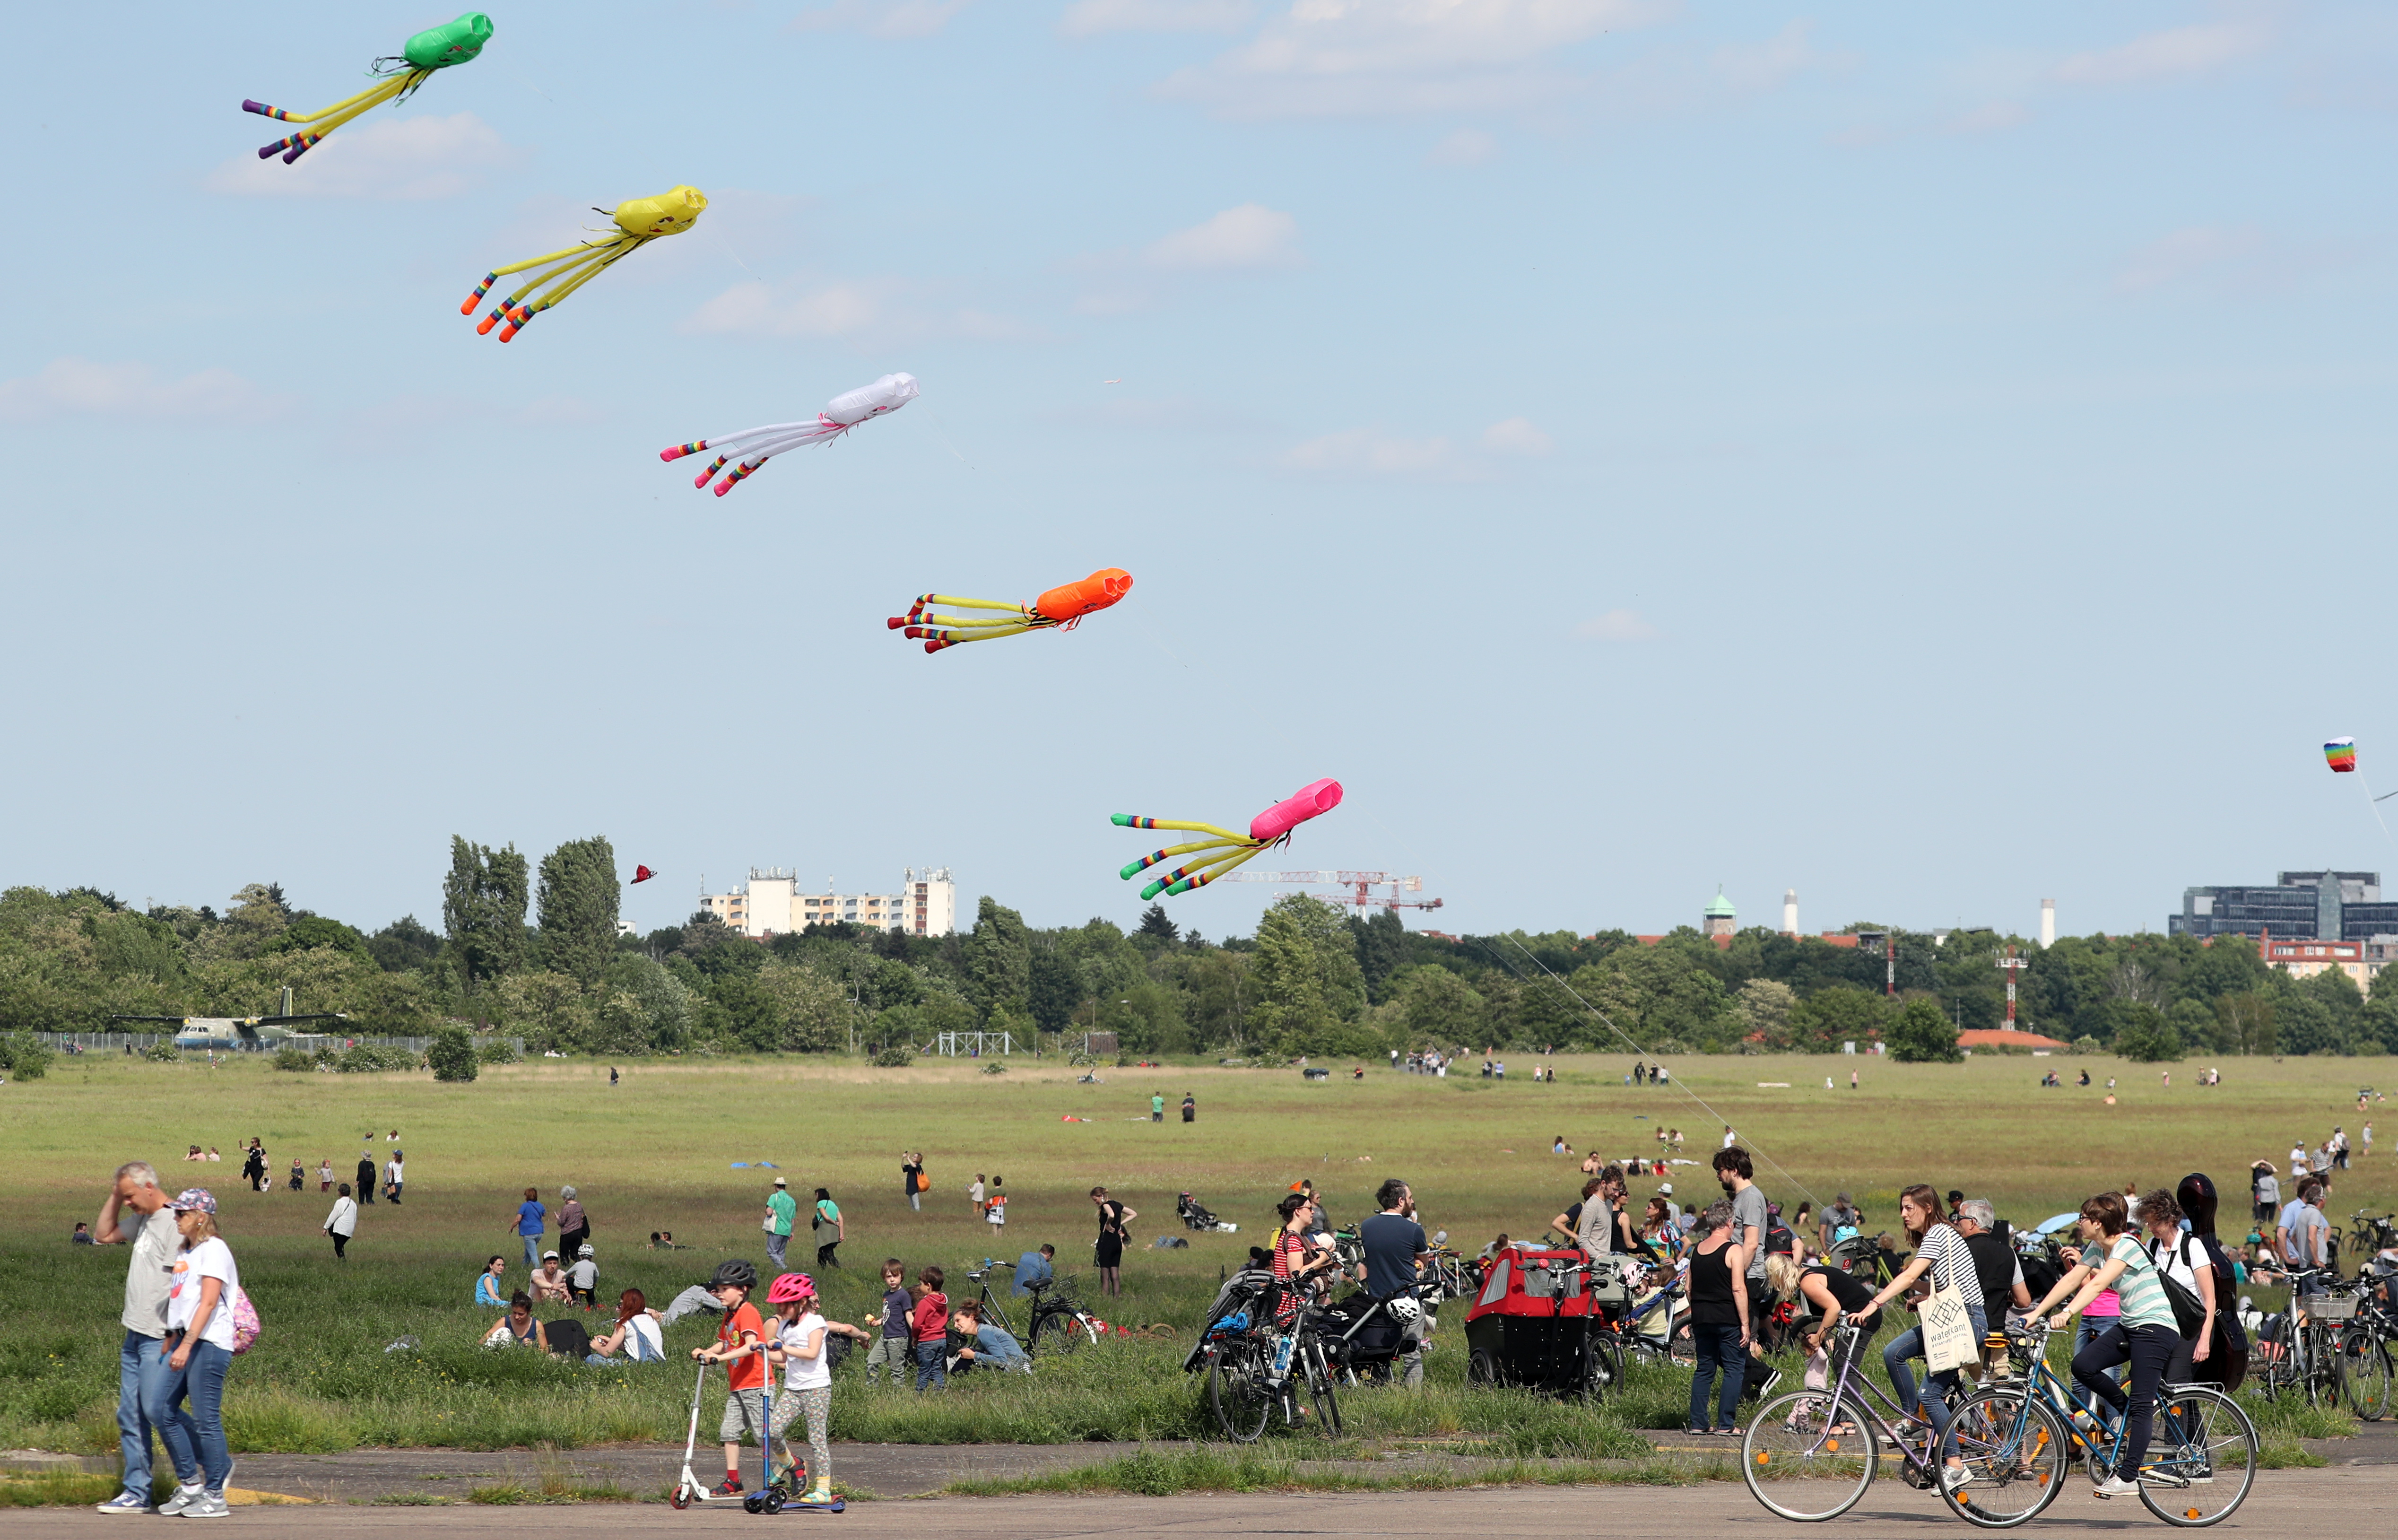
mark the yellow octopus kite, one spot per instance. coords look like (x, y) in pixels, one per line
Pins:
(639, 221)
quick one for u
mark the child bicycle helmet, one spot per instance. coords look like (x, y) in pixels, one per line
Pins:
(791, 1288)
(735, 1274)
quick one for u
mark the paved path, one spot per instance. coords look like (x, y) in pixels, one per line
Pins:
(2351, 1499)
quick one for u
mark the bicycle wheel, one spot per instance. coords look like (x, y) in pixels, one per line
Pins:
(1056, 1331)
(2329, 1376)
(1604, 1369)
(2014, 1450)
(2201, 1458)
(1805, 1458)
(2365, 1363)
(1320, 1391)
(1236, 1389)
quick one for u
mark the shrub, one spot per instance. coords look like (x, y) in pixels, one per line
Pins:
(294, 1059)
(497, 1051)
(452, 1055)
(366, 1059)
(163, 1051)
(2086, 1043)
(994, 1069)
(894, 1058)
(22, 1055)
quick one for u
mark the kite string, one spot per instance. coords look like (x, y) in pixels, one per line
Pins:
(1608, 1022)
(2372, 801)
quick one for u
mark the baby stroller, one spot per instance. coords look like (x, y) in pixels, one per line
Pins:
(1196, 1215)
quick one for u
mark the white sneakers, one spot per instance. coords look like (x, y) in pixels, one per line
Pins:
(2115, 1486)
(1953, 1477)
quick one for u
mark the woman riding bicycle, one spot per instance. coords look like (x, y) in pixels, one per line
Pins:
(2145, 1334)
(1940, 1250)
(1827, 1294)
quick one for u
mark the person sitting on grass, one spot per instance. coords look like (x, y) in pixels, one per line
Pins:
(978, 1342)
(584, 1277)
(519, 1328)
(487, 1282)
(663, 1240)
(636, 1334)
(82, 1235)
(549, 1283)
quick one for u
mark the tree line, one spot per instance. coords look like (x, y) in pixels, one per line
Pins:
(535, 948)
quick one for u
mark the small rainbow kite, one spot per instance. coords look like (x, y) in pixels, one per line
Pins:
(2340, 754)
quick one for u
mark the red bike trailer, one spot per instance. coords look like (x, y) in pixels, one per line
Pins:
(1531, 1325)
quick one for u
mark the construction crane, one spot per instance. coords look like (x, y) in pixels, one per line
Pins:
(1360, 885)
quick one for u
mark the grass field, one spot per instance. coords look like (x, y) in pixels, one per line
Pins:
(656, 1152)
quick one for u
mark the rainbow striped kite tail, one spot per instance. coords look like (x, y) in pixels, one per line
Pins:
(680, 449)
(740, 474)
(477, 297)
(1153, 889)
(301, 144)
(705, 476)
(263, 110)
(1145, 863)
(519, 317)
(1131, 820)
(1185, 884)
(940, 641)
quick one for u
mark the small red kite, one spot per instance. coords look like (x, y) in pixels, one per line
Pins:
(642, 873)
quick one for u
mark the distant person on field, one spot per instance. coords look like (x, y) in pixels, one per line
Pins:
(392, 1177)
(489, 1292)
(366, 1186)
(135, 1215)
(584, 1277)
(974, 1193)
(783, 1210)
(1190, 1112)
(636, 1334)
(891, 1347)
(1157, 1104)
(343, 1223)
(531, 1219)
(827, 1219)
(994, 1209)
(1115, 1221)
(929, 1328)
(1034, 1268)
(911, 1171)
(574, 1224)
(324, 1174)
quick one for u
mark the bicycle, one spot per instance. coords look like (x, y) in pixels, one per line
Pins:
(2368, 1234)
(1810, 1455)
(2306, 1354)
(994, 1311)
(2197, 1436)
(2367, 1361)
(1059, 1323)
(1243, 1390)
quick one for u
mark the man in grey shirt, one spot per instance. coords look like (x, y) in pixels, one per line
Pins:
(1735, 1170)
(136, 1215)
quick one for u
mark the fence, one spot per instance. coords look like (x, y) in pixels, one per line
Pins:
(118, 1041)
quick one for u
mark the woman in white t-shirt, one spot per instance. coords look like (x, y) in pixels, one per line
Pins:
(807, 1375)
(636, 1334)
(2179, 1256)
(203, 1284)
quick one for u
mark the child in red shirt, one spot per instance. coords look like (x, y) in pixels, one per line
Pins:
(739, 1341)
(930, 1321)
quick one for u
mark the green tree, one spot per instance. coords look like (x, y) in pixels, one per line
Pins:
(579, 894)
(1434, 1006)
(548, 1008)
(484, 910)
(1157, 926)
(1000, 961)
(1923, 1034)
(1764, 1006)
(1310, 991)
(2143, 1035)
(2247, 1021)
(451, 1055)
(812, 1012)
(314, 930)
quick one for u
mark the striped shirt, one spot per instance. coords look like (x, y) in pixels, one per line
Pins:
(1952, 1262)
(2144, 1297)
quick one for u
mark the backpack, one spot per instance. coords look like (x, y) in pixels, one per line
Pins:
(1778, 1241)
(247, 1328)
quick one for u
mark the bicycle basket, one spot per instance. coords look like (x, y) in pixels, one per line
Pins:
(2332, 1307)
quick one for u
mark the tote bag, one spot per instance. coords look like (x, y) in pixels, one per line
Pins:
(1949, 1340)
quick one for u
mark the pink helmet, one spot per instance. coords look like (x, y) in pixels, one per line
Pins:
(792, 1286)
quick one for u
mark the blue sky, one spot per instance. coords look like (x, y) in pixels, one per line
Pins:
(1925, 456)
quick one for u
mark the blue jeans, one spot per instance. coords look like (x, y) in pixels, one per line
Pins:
(1718, 1347)
(140, 1405)
(532, 1254)
(933, 1364)
(1909, 1345)
(192, 1417)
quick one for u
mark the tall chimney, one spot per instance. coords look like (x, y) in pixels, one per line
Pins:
(1790, 911)
(2047, 923)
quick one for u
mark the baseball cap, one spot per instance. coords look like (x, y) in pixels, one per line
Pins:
(195, 1200)
(550, 1256)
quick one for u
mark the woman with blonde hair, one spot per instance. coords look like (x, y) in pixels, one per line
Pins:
(203, 1286)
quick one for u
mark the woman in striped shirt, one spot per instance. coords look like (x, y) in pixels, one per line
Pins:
(2146, 1334)
(1941, 1251)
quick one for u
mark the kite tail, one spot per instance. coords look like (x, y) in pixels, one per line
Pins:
(740, 473)
(709, 474)
(328, 119)
(1200, 876)
(680, 449)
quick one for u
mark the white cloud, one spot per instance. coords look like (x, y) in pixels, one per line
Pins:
(1091, 17)
(1366, 452)
(133, 392)
(407, 159)
(1617, 626)
(1249, 235)
(2186, 254)
(2237, 259)
(852, 310)
(880, 18)
(1517, 436)
(1330, 57)
(1465, 147)
(2165, 55)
